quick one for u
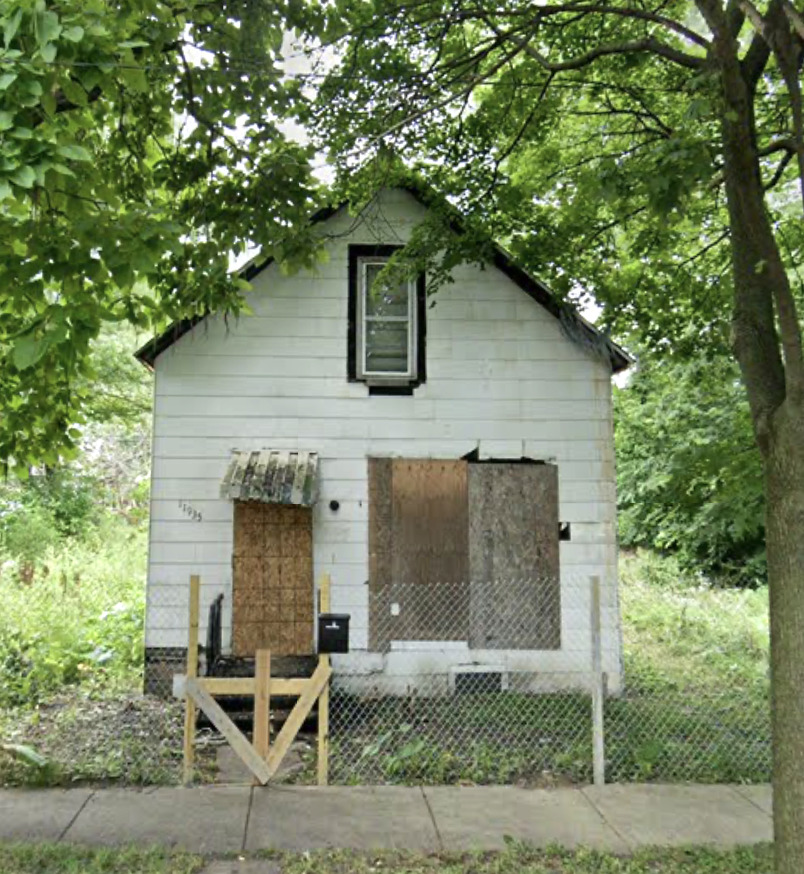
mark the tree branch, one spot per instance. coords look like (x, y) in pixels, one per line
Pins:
(648, 44)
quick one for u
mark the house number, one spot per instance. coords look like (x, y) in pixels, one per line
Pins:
(194, 514)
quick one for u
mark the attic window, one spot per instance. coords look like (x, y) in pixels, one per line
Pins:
(386, 324)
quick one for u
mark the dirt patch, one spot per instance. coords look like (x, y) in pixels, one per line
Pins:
(128, 738)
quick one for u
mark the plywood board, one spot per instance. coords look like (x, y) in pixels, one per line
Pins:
(419, 554)
(514, 556)
(272, 598)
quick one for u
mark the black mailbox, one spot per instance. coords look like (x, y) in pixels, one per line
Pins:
(333, 632)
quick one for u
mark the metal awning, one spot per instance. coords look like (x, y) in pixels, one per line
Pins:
(274, 476)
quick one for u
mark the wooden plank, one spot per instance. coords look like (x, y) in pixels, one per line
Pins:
(430, 549)
(300, 712)
(380, 538)
(514, 556)
(192, 672)
(325, 605)
(238, 742)
(262, 702)
(241, 685)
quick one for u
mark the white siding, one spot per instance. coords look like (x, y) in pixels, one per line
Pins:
(501, 377)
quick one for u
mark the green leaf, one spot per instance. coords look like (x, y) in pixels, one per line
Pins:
(6, 79)
(49, 52)
(28, 350)
(46, 27)
(12, 26)
(6, 120)
(24, 177)
(73, 34)
(74, 151)
(25, 754)
(5, 190)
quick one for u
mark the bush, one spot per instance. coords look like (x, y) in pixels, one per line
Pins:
(77, 619)
(689, 476)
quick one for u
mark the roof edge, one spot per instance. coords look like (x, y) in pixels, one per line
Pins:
(619, 359)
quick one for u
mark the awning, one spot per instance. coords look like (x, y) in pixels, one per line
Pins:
(274, 476)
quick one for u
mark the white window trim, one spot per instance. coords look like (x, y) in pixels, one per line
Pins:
(379, 377)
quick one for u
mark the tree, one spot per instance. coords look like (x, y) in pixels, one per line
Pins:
(141, 147)
(689, 477)
(604, 137)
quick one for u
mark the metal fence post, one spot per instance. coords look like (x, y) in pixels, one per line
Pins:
(598, 688)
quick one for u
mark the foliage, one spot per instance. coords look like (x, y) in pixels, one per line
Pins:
(689, 475)
(518, 858)
(139, 151)
(690, 636)
(77, 619)
(46, 858)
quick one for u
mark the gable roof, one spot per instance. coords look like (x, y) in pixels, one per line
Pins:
(572, 322)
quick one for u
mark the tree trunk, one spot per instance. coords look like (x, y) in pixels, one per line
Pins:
(784, 477)
(767, 344)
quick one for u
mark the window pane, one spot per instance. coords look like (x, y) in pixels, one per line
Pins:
(382, 300)
(386, 347)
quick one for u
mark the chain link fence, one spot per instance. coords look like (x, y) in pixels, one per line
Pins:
(480, 683)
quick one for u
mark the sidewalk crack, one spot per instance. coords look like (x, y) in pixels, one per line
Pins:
(599, 812)
(432, 819)
(248, 820)
(75, 816)
(736, 791)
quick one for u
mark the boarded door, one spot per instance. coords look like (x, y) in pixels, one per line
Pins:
(513, 556)
(418, 550)
(272, 578)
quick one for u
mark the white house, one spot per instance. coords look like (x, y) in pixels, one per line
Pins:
(422, 450)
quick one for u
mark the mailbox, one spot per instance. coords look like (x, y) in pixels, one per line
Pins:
(333, 632)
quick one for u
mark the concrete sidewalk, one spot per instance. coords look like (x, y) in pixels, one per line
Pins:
(231, 819)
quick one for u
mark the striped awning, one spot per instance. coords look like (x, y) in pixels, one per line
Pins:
(274, 476)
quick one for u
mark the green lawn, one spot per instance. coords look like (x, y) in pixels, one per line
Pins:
(516, 859)
(64, 859)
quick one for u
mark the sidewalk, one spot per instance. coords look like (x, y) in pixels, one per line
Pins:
(230, 819)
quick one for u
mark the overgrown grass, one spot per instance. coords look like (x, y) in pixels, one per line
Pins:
(515, 859)
(519, 859)
(694, 704)
(75, 617)
(681, 633)
(65, 859)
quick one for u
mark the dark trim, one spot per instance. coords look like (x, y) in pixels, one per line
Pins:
(534, 288)
(404, 387)
(391, 389)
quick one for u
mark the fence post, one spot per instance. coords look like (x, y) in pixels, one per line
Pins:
(598, 688)
(191, 673)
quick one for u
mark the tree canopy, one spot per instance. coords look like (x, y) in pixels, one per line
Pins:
(141, 148)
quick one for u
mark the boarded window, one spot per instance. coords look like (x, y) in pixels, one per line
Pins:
(513, 556)
(436, 525)
(272, 579)
(418, 550)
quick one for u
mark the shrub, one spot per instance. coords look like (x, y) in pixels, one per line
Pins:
(78, 619)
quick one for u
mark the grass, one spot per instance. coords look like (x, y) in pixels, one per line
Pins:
(515, 859)
(695, 705)
(65, 859)
(520, 859)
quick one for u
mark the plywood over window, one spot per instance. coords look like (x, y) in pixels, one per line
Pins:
(418, 538)
(457, 548)
(272, 579)
(513, 556)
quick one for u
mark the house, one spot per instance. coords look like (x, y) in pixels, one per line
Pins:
(433, 454)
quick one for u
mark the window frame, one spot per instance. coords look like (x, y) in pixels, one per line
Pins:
(360, 257)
